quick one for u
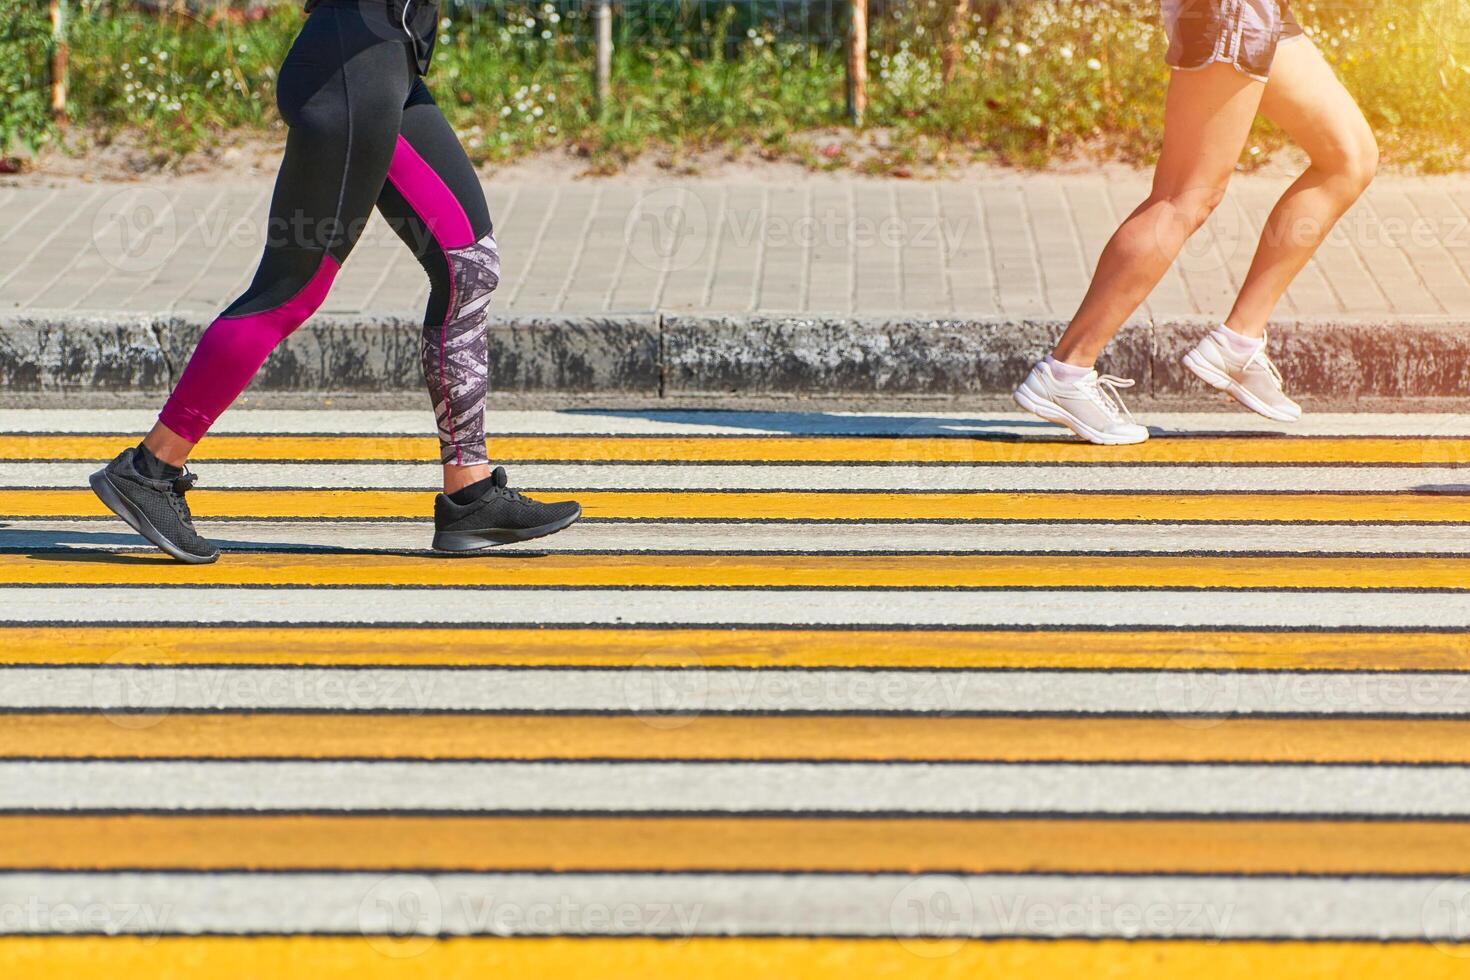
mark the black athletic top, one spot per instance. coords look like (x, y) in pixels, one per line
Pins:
(418, 18)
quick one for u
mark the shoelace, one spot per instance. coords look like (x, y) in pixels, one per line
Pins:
(1260, 356)
(1102, 391)
(498, 486)
(511, 495)
(182, 485)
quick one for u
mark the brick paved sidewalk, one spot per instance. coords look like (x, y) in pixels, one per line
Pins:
(1014, 245)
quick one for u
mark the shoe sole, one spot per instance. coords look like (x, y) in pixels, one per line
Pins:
(1216, 378)
(459, 542)
(113, 498)
(1052, 412)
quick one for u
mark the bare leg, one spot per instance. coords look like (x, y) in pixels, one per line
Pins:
(168, 445)
(1206, 122)
(1307, 101)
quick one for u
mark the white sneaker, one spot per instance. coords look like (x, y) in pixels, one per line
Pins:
(1253, 381)
(1092, 407)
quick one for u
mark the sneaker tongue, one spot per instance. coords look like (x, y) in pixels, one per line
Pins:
(498, 477)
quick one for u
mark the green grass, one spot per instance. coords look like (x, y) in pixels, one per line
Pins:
(1040, 80)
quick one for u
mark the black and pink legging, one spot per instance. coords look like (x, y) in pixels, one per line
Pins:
(364, 133)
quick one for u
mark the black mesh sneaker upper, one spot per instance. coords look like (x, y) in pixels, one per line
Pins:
(498, 507)
(161, 501)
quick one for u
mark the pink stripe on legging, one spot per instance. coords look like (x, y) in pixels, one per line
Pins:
(232, 350)
(430, 198)
(433, 201)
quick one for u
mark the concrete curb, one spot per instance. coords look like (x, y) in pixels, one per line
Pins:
(677, 355)
(45, 352)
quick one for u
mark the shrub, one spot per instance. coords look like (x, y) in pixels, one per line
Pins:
(25, 32)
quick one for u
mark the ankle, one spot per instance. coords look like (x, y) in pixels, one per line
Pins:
(146, 463)
(1065, 372)
(456, 478)
(1240, 344)
(167, 446)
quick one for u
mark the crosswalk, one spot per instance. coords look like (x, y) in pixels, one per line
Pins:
(828, 695)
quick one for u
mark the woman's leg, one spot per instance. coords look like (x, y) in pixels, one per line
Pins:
(434, 202)
(1305, 99)
(433, 199)
(1206, 122)
(1308, 102)
(341, 91)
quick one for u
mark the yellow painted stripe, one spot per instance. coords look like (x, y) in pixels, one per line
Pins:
(817, 449)
(361, 958)
(786, 571)
(796, 506)
(274, 842)
(266, 735)
(1088, 650)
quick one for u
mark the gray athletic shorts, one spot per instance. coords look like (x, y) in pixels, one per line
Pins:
(1243, 33)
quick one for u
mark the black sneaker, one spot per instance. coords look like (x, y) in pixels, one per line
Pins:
(497, 516)
(155, 509)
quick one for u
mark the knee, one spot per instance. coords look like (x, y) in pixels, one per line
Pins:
(1365, 163)
(1352, 162)
(461, 281)
(289, 286)
(476, 270)
(1189, 209)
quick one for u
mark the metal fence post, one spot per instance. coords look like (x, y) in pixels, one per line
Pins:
(603, 17)
(857, 61)
(59, 55)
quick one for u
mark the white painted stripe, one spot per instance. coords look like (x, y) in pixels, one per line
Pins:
(933, 912)
(749, 607)
(701, 422)
(697, 690)
(594, 536)
(686, 476)
(738, 787)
